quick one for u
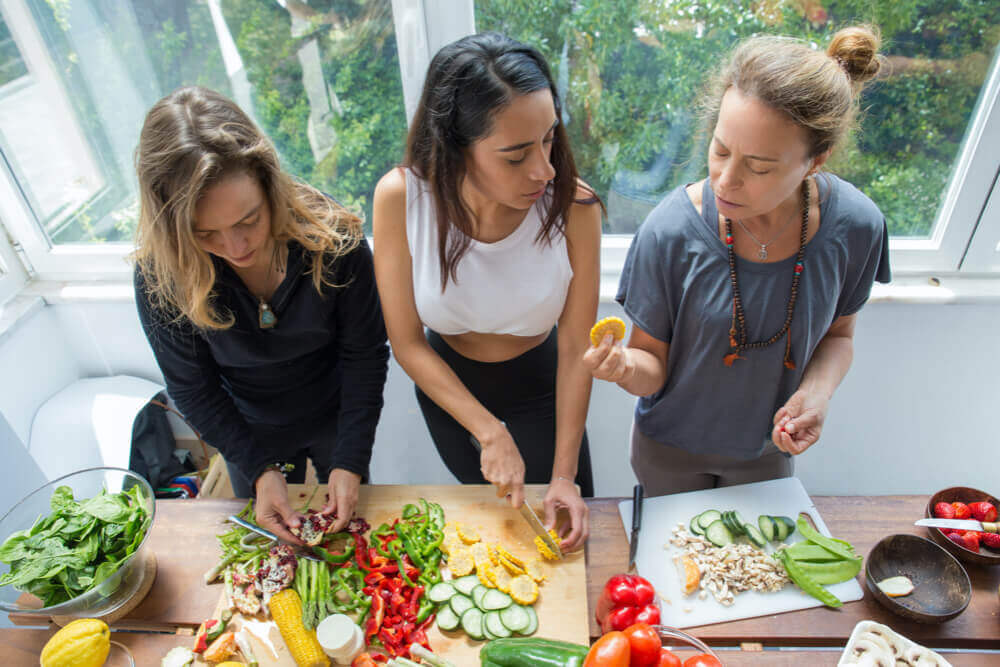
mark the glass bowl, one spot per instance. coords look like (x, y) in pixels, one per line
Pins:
(111, 593)
(672, 638)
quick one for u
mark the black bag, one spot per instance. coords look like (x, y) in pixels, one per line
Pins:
(153, 446)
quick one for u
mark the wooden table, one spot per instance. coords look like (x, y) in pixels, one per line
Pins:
(183, 539)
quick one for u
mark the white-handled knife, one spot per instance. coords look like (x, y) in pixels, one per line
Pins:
(960, 524)
(529, 515)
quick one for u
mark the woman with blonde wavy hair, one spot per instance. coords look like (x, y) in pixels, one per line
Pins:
(744, 288)
(257, 295)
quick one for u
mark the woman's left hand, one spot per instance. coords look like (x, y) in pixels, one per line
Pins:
(342, 492)
(563, 494)
(799, 422)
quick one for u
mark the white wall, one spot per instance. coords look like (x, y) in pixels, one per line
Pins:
(914, 414)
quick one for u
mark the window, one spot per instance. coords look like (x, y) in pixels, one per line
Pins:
(631, 74)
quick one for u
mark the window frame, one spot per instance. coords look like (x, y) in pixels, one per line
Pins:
(965, 236)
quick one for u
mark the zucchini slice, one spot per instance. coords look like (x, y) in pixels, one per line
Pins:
(706, 518)
(495, 600)
(477, 596)
(441, 592)
(767, 527)
(459, 604)
(515, 618)
(494, 625)
(754, 536)
(718, 534)
(447, 619)
(472, 622)
(464, 585)
(695, 527)
(789, 525)
(729, 519)
(532, 622)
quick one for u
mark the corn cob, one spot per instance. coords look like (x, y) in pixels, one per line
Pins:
(286, 608)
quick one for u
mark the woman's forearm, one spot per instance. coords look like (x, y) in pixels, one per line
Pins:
(645, 375)
(573, 384)
(828, 366)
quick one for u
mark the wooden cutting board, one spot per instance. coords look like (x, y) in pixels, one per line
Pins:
(654, 558)
(562, 599)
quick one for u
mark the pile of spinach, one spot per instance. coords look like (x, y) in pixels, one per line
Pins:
(77, 546)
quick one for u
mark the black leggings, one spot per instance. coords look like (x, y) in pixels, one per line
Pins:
(520, 392)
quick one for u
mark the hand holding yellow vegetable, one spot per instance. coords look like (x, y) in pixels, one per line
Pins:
(607, 360)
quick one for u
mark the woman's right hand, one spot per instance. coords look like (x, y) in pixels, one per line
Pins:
(272, 509)
(502, 466)
(609, 361)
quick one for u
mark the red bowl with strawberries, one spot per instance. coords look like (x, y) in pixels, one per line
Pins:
(962, 502)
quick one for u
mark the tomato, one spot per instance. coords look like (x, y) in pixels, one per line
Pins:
(611, 650)
(668, 659)
(644, 645)
(702, 660)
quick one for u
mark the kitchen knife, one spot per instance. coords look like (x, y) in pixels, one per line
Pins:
(637, 495)
(529, 515)
(960, 524)
(254, 528)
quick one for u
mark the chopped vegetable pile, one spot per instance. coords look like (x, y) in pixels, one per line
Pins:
(77, 546)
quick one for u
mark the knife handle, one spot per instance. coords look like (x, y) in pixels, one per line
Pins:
(637, 495)
(991, 527)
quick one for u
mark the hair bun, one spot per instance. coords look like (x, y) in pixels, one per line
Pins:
(856, 50)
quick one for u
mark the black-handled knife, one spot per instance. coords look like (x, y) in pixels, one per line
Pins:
(637, 496)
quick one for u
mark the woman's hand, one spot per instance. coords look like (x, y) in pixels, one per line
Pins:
(342, 497)
(799, 422)
(502, 466)
(563, 494)
(609, 361)
(272, 509)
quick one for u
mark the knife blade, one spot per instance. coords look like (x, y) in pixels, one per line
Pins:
(637, 496)
(254, 528)
(529, 515)
(960, 524)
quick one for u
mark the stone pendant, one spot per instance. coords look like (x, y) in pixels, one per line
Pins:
(266, 318)
(762, 253)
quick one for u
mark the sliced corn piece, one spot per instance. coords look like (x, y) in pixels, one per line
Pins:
(450, 544)
(535, 570)
(480, 554)
(501, 578)
(485, 575)
(460, 562)
(511, 557)
(493, 549)
(511, 567)
(523, 589)
(609, 325)
(468, 534)
(544, 550)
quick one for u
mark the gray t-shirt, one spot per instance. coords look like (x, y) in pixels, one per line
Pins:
(675, 287)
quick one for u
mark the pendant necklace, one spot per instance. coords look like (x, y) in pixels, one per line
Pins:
(762, 253)
(266, 319)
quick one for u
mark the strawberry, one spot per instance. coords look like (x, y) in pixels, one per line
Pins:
(962, 511)
(956, 538)
(944, 511)
(983, 511)
(971, 538)
(990, 540)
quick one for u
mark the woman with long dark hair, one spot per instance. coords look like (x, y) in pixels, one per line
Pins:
(487, 237)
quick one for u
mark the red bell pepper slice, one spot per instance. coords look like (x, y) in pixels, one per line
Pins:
(375, 617)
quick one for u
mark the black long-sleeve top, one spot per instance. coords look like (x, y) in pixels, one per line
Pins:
(328, 352)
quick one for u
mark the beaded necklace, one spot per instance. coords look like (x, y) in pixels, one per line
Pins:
(738, 339)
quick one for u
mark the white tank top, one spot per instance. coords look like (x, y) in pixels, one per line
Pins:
(514, 286)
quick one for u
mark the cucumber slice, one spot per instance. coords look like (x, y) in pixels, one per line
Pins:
(494, 625)
(515, 618)
(754, 536)
(495, 600)
(464, 585)
(460, 604)
(767, 527)
(706, 518)
(532, 622)
(477, 596)
(472, 622)
(447, 619)
(487, 635)
(441, 592)
(729, 521)
(788, 524)
(695, 528)
(738, 518)
(718, 534)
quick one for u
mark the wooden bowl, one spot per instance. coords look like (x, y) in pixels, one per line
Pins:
(965, 495)
(941, 587)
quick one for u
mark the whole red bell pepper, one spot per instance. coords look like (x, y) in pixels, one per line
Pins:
(627, 599)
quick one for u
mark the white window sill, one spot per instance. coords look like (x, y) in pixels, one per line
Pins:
(911, 288)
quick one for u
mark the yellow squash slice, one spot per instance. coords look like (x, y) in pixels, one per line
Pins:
(501, 578)
(535, 570)
(517, 562)
(609, 325)
(468, 534)
(460, 562)
(523, 589)
(485, 574)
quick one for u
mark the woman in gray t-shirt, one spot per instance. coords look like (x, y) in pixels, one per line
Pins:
(744, 288)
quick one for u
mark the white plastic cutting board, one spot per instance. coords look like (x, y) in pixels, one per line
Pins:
(654, 562)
